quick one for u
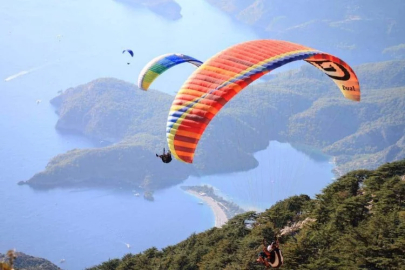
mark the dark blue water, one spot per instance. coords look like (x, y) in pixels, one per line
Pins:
(49, 46)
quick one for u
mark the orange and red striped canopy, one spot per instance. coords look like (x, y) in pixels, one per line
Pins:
(224, 75)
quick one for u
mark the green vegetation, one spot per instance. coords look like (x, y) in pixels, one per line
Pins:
(302, 107)
(131, 163)
(357, 222)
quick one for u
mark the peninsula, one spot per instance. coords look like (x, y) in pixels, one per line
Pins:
(223, 210)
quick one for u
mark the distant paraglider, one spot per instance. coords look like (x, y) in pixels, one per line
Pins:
(224, 75)
(130, 52)
(160, 64)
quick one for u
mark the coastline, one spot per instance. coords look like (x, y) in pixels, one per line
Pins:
(220, 216)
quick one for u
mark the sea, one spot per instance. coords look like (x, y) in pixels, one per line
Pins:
(48, 46)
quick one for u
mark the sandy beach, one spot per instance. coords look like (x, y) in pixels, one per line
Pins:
(220, 216)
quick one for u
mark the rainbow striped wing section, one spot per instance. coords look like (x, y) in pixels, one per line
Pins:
(160, 64)
(219, 79)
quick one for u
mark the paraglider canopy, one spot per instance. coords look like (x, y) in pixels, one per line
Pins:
(225, 74)
(129, 51)
(160, 64)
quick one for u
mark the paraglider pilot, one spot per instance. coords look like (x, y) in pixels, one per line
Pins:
(266, 256)
(166, 157)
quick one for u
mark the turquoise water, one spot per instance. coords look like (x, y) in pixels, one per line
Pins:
(49, 46)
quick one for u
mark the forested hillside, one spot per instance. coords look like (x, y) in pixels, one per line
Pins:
(357, 222)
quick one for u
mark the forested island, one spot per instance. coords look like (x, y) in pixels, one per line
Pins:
(302, 107)
(357, 222)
